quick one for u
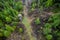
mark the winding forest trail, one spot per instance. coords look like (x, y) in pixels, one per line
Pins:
(27, 21)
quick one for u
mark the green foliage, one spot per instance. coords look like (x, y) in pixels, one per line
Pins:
(49, 3)
(33, 5)
(8, 19)
(15, 23)
(1, 34)
(49, 37)
(9, 28)
(45, 4)
(52, 28)
(47, 29)
(37, 21)
(18, 6)
(1, 23)
(9, 10)
(48, 25)
(6, 33)
(20, 30)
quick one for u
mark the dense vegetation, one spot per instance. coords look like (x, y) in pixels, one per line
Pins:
(9, 10)
(46, 4)
(52, 27)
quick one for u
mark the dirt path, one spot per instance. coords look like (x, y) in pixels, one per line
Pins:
(27, 21)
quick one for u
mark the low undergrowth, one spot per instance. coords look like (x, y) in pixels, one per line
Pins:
(9, 10)
(51, 28)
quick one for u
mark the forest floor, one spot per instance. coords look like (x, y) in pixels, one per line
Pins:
(28, 35)
(31, 30)
(27, 24)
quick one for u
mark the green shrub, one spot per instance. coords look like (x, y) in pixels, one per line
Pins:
(52, 29)
(47, 4)
(8, 19)
(49, 37)
(9, 28)
(20, 30)
(47, 28)
(19, 6)
(1, 34)
(9, 10)
(7, 33)
(37, 21)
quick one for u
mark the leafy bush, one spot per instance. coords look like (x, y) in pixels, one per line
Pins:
(9, 10)
(37, 21)
(20, 30)
(1, 34)
(6, 33)
(52, 28)
(47, 29)
(33, 6)
(49, 37)
(9, 28)
(46, 4)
